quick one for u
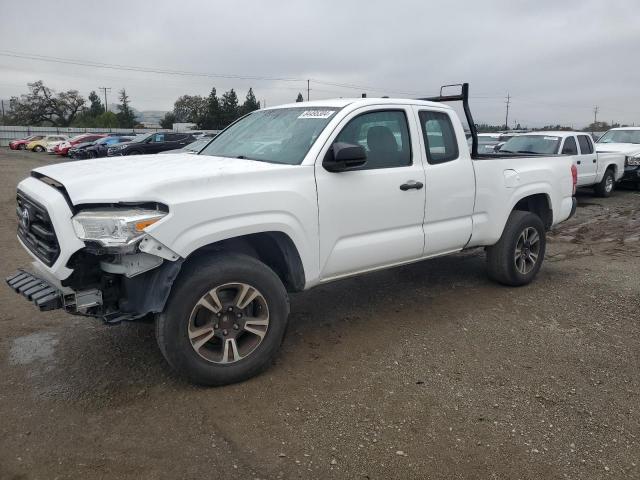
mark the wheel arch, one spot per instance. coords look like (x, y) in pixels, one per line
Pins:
(538, 203)
(273, 248)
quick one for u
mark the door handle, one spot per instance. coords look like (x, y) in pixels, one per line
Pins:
(411, 184)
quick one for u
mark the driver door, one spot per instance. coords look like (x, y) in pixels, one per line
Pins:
(368, 217)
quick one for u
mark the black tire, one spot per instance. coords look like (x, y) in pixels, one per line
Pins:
(92, 154)
(502, 265)
(196, 279)
(133, 152)
(606, 185)
(22, 146)
(38, 149)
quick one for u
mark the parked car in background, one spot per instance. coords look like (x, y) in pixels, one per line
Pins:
(63, 148)
(597, 170)
(151, 143)
(626, 141)
(21, 143)
(193, 147)
(41, 144)
(52, 147)
(98, 148)
(487, 142)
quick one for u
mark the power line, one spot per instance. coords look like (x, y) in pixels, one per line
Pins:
(165, 71)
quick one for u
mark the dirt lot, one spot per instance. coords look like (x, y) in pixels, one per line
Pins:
(425, 371)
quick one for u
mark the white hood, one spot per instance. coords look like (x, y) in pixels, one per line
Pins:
(150, 178)
(630, 149)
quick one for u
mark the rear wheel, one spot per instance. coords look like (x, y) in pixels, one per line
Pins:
(224, 320)
(517, 257)
(606, 185)
(22, 146)
(38, 148)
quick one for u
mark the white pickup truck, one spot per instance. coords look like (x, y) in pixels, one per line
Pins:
(599, 170)
(624, 141)
(282, 200)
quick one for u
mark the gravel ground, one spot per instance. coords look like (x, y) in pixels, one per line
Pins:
(424, 371)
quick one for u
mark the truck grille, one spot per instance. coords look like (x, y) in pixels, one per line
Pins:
(36, 230)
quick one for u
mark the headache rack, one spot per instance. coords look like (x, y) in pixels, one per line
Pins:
(463, 97)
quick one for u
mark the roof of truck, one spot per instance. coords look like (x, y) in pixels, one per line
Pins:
(359, 102)
(554, 133)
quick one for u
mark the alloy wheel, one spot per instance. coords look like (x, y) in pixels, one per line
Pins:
(228, 323)
(527, 250)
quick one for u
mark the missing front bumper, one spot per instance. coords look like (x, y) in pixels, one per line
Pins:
(44, 295)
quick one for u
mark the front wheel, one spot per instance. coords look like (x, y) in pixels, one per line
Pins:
(22, 146)
(517, 257)
(224, 320)
(38, 148)
(606, 185)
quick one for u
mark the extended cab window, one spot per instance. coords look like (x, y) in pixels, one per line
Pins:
(384, 136)
(439, 137)
(158, 137)
(570, 147)
(586, 147)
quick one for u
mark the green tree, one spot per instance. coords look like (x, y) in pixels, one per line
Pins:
(168, 121)
(300, 98)
(250, 104)
(125, 115)
(211, 119)
(229, 108)
(42, 106)
(95, 105)
(189, 109)
(106, 120)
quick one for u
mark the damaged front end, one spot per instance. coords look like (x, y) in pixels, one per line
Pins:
(121, 273)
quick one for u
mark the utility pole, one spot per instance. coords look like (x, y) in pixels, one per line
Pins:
(506, 118)
(2, 110)
(105, 89)
(308, 90)
(595, 114)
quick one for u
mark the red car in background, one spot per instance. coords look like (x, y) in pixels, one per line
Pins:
(63, 148)
(21, 143)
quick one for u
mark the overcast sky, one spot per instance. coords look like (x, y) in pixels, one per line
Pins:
(556, 58)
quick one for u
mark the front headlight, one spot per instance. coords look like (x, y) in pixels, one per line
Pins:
(633, 161)
(114, 227)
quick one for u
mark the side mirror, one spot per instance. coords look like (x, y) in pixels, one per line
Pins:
(344, 156)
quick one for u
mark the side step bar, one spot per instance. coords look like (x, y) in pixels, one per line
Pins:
(43, 294)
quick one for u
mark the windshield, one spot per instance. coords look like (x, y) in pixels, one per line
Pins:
(197, 145)
(621, 136)
(282, 135)
(141, 137)
(542, 144)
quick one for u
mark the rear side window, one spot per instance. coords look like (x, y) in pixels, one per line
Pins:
(384, 136)
(570, 147)
(439, 137)
(586, 147)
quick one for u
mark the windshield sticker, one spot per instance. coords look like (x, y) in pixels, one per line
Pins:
(317, 114)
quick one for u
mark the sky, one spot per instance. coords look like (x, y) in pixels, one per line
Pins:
(556, 59)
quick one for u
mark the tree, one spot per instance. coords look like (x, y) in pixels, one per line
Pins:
(168, 121)
(229, 108)
(189, 109)
(250, 104)
(42, 106)
(300, 98)
(125, 115)
(106, 120)
(211, 118)
(95, 107)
